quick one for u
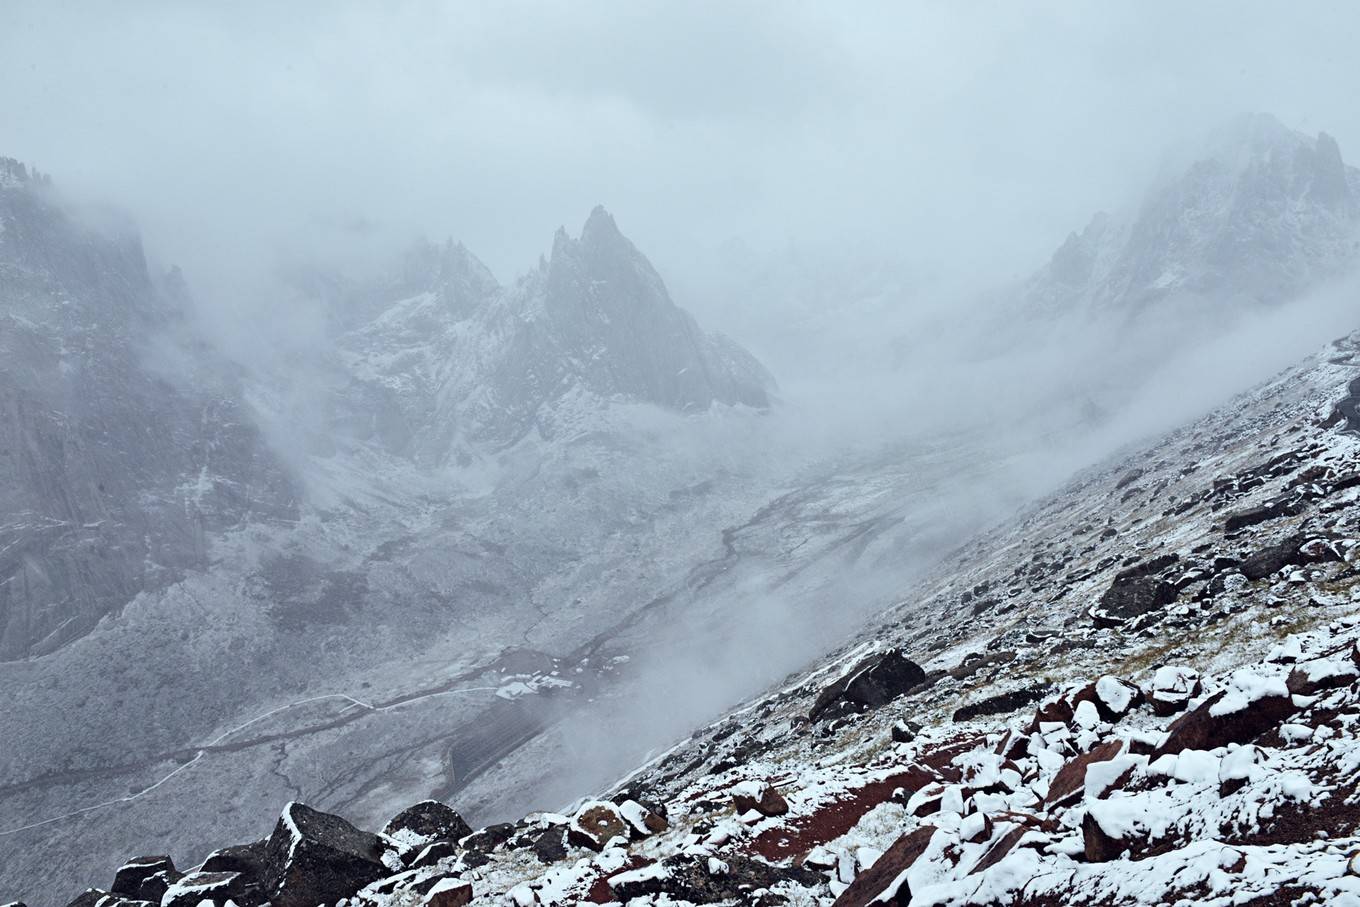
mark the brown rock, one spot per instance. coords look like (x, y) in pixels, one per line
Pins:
(1059, 711)
(980, 831)
(1199, 729)
(1110, 707)
(1070, 781)
(999, 850)
(1101, 846)
(449, 893)
(642, 822)
(1313, 677)
(1172, 689)
(1013, 745)
(769, 802)
(595, 825)
(875, 884)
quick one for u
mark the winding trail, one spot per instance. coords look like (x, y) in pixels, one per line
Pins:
(216, 744)
(1350, 406)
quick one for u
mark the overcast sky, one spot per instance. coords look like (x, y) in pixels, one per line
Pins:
(974, 135)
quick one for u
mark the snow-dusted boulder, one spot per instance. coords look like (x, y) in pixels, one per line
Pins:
(317, 858)
(416, 827)
(758, 796)
(214, 887)
(1172, 688)
(145, 878)
(885, 881)
(1251, 705)
(874, 682)
(595, 824)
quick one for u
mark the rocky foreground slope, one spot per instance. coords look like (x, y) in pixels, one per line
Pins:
(1146, 690)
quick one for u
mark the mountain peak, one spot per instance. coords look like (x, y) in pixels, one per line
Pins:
(600, 225)
(600, 240)
(12, 173)
(1255, 214)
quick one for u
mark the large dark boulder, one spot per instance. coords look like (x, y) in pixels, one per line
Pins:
(549, 844)
(1285, 505)
(1294, 551)
(430, 820)
(418, 826)
(449, 893)
(1099, 845)
(1136, 592)
(1000, 704)
(247, 859)
(443, 850)
(250, 863)
(1112, 697)
(874, 682)
(145, 878)
(1070, 781)
(95, 897)
(316, 858)
(1172, 688)
(489, 838)
(215, 887)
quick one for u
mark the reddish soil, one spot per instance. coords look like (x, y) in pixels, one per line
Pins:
(836, 818)
(601, 893)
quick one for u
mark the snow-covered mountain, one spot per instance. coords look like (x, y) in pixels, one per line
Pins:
(1258, 215)
(1256, 224)
(447, 364)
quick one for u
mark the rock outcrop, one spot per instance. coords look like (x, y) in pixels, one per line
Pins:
(114, 467)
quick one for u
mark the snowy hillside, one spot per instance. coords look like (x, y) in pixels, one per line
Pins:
(1143, 690)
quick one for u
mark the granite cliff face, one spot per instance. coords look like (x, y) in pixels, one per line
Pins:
(113, 470)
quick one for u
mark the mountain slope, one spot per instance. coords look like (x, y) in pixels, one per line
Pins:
(483, 551)
(112, 470)
(1145, 688)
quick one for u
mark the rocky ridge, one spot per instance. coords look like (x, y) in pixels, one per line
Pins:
(1259, 215)
(444, 364)
(115, 466)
